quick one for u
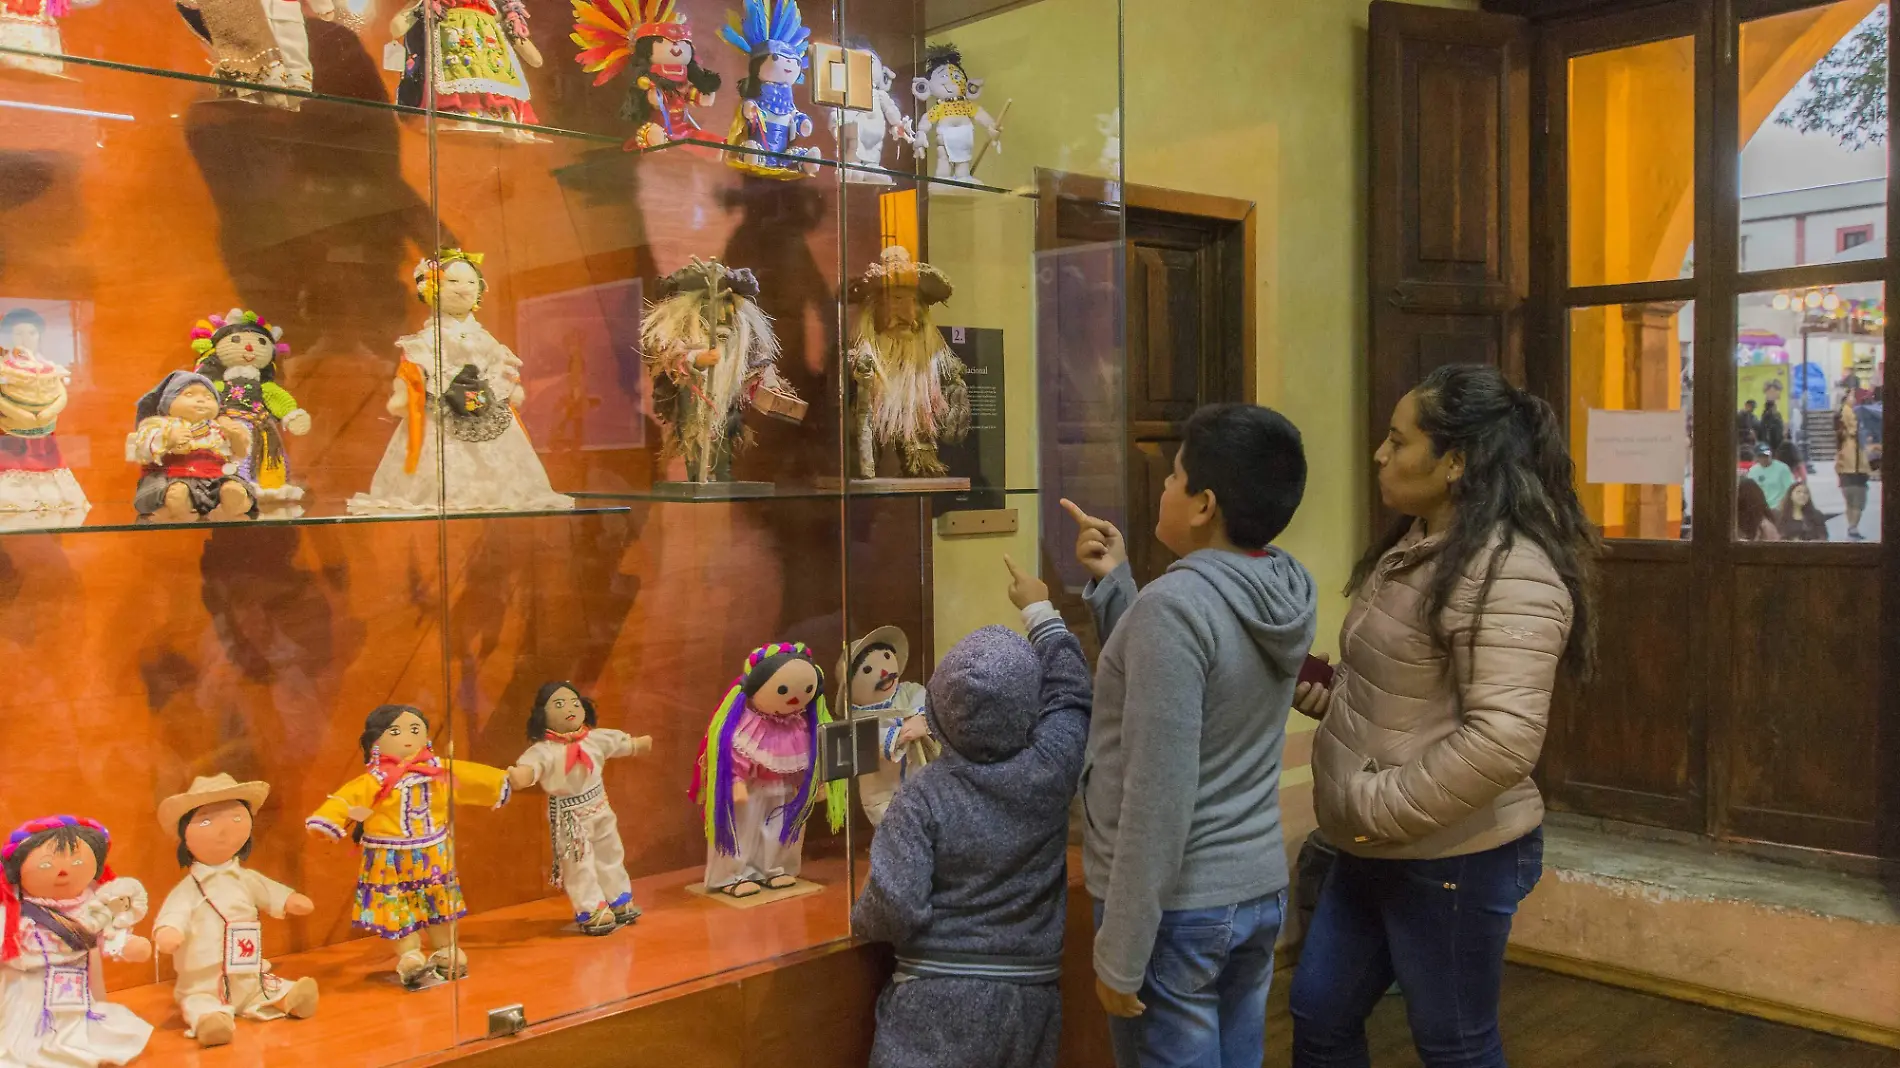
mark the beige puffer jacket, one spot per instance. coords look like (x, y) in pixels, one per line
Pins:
(1427, 751)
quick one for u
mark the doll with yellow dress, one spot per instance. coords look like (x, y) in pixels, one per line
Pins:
(397, 811)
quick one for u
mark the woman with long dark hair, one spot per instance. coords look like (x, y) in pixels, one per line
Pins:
(1462, 616)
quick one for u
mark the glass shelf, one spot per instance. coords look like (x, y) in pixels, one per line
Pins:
(119, 516)
(800, 493)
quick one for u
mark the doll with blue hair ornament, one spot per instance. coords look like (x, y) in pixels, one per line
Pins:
(768, 124)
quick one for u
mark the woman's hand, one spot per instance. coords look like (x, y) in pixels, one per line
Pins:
(1311, 699)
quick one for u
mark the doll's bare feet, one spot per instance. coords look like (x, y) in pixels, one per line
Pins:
(177, 507)
(449, 963)
(746, 888)
(234, 502)
(411, 966)
(301, 1001)
(781, 882)
(215, 1029)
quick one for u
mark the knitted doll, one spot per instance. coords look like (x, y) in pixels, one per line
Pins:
(650, 38)
(774, 36)
(209, 922)
(398, 812)
(64, 912)
(909, 385)
(257, 42)
(951, 113)
(757, 778)
(457, 392)
(189, 454)
(567, 755)
(33, 473)
(869, 679)
(710, 351)
(472, 67)
(238, 351)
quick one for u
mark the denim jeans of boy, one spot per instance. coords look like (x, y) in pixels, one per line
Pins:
(1438, 927)
(1206, 989)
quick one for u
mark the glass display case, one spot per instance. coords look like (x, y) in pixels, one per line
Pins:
(365, 354)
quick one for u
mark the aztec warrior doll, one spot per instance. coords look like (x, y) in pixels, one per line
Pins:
(952, 113)
(870, 680)
(188, 450)
(33, 26)
(457, 388)
(65, 912)
(239, 351)
(757, 778)
(862, 134)
(33, 474)
(397, 812)
(567, 754)
(910, 391)
(711, 354)
(667, 77)
(261, 42)
(774, 37)
(473, 65)
(209, 922)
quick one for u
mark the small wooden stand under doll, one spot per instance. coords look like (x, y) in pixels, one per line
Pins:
(869, 680)
(33, 474)
(773, 34)
(189, 453)
(711, 354)
(566, 758)
(259, 42)
(397, 811)
(239, 352)
(32, 26)
(658, 50)
(861, 134)
(209, 922)
(909, 388)
(64, 912)
(952, 114)
(757, 777)
(463, 57)
(458, 385)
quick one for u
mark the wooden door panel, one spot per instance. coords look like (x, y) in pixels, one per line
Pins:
(1457, 221)
(1166, 291)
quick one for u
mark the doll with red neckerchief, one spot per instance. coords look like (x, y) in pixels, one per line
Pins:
(65, 913)
(757, 779)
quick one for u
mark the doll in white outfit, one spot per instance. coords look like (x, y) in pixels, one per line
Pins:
(872, 670)
(566, 760)
(209, 922)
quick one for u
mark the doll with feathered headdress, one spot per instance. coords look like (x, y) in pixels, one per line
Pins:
(648, 38)
(774, 37)
(710, 351)
(909, 386)
(238, 351)
(757, 778)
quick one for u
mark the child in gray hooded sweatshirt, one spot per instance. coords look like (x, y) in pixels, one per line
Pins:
(969, 868)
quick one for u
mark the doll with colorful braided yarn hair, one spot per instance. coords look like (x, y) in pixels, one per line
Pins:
(757, 779)
(238, 351)
(64, 912)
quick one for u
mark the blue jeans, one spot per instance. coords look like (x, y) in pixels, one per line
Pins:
(1439, 927)
(1206, 989)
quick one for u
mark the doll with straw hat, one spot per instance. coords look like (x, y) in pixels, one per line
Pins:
(209, 923)
(870, 685)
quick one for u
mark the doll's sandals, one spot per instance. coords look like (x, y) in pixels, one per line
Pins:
(781, 882)
(602, 922)
(215, 1029)
(627, 913)
(412, 967)
(449, 963)
(743, 888)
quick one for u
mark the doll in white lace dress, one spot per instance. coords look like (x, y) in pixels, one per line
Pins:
(457, 390)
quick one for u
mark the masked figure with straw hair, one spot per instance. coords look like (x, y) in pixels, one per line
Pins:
(909, 385)
(712, 354)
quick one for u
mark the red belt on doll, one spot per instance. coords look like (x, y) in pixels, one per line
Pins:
(200, 464)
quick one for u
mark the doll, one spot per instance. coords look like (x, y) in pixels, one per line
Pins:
(33, 474)
(33, 26)
(238, 351)
(774, 35)
(189, 453)
(667, 77)
(711, 352)
(64, 912)
(566, 756)
(397, 811)
(463, 58)
(909, 385)
(952, 113)
(458, 386)
(757, 778)
(869, 675)
(209, 922)
(861, 134)
(258, 42)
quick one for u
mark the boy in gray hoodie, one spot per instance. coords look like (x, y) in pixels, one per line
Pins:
(1182, 848)
(969, 868)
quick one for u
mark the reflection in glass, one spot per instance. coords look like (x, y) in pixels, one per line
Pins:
(1809, 364)
(1631, 379)
(1632, 163)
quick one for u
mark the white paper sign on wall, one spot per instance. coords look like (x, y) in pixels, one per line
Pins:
(1636, 448)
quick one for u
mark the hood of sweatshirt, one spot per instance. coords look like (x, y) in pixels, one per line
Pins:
(986, 694)
(1273, 595)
